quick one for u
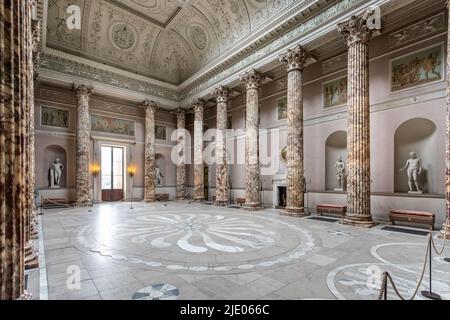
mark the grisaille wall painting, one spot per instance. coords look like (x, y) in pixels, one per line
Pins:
(160, 132)
(282, 108)
(418, 68)
(335, 93)
(54, 117)
(112, 125)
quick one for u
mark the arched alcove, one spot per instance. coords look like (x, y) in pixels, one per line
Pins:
(335, 148)
(160, 162)
(417, 135)
(51, 153)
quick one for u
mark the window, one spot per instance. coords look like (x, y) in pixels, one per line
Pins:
(112, 168)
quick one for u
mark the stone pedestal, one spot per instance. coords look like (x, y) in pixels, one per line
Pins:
(149, 151)
(357, 35)
(199, 170)
(252, 80)
(83, 196)
(181, 153)
(222, 188)
(296, 62)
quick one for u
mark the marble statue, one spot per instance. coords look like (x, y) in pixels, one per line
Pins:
(340, 174)
(158, 176)
(413, 168)
(56, 173)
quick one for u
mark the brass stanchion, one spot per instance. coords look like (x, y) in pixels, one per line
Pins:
(430, 294)
(131, 173)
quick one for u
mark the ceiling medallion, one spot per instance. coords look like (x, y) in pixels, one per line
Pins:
(123, 36)
(199, 37)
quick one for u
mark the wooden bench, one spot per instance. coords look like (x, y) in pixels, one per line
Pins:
(162, 197)
(325, 208)
(420, 217)
(54, 202)
(240, 201)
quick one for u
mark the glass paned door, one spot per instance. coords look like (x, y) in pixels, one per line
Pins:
(112, 173)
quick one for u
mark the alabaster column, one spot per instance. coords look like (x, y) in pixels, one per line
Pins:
(199, 169)
(357, 35)
(296, 61)
(222, 189)
(16, 80)
(252, 80)
(83, 196)
(149, 151)
(181, 150)
(447, 141)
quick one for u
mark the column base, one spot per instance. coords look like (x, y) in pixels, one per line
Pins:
(358, 222)
(32, 261)
(442, 233)
(152, 199)
(200, 200)
(26, 295)
(294, 212)
(252, 206)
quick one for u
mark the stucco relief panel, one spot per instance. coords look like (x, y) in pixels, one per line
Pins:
(58, 33)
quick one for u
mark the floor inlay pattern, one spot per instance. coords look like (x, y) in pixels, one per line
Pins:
(160, 291)
(171, 239)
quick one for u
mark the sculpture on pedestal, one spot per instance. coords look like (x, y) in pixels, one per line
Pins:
(413, 168)
(340, 174)
(158, 176)
(56, 173)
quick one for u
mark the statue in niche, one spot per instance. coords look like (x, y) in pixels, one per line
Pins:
(158, 176)
(340, 174)
(56, 170)
(413, 169)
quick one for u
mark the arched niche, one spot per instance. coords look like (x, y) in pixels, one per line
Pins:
(51, 153)
(160, 162)
(416, 135)
(335, 148)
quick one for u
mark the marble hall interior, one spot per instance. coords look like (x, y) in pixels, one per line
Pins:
(239, 149)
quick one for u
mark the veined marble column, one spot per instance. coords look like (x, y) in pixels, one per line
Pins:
(199, 169)
(83, 196)
(357, 35)
(222, 189)
(447, 139)
(181, 150)
(296, 62)
(252, 79)
(15, 49)
(149, 151)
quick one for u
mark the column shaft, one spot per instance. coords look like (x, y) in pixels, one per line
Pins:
(222, 187)
(357, 35)
(83, 196)
(149, 151)
(181, 154)
(296, 61)
(199, 186)
(15, 30)
(252, 173)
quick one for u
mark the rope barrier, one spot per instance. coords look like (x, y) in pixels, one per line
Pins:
(387, 277)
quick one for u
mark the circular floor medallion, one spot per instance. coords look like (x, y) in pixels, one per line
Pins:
(160, 291)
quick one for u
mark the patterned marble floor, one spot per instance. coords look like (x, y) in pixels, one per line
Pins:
(182, 250)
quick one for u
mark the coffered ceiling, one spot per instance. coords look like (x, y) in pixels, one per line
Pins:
(167, 40)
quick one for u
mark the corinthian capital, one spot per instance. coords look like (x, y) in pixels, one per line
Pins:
(356, 29)
(252, 79)
(149, 105)
(198, 105)
(82, 91)
(295, 58)
(221, 93)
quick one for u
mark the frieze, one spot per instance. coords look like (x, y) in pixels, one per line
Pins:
(418, 30)
(95, 74)
(337, 63)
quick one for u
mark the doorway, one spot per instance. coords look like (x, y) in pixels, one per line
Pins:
(112, 177)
